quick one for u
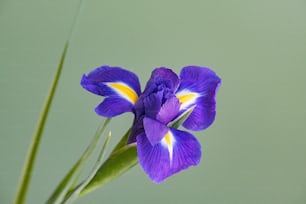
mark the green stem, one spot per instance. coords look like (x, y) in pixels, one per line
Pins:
(26, 176)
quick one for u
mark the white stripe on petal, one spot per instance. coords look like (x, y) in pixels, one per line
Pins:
(168, 142)
(187, 98)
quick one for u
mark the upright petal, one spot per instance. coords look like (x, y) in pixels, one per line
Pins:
(121, 86)
(177, 151)
(162, 79)
(198, 88)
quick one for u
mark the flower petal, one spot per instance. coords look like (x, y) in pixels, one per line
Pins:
(155, 131)
(198, 88)
(168, 110)
(113, 106)
(198, 79)
(137, 129)
(162, 79)
(202, 116)
(187, 98)
(112, 81)
(177, 151)
(152, 103)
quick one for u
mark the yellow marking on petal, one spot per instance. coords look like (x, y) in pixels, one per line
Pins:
(125, 91)
(187, 97)
(168, 141)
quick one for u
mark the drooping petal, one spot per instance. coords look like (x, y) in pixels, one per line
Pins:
(198, 88)
(95, 81)
(155, 130)
(202, 116)
(198, 79)
(119, 85)
(168, 110)
(177, 151)
(113, 106)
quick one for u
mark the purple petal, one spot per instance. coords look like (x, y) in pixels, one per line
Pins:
(96, 80)
(154, 130)
(198, 79)
(152, 103)
(162, 79)
(202, 116)
(113, 106)
(95, 87)
(137, 129)
(156, 161)
(120, 86)
(202, 82)
(169, 110)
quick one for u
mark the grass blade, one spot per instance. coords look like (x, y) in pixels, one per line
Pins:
(31, 156)
(61, 190)
(26, 174)
(74, 193)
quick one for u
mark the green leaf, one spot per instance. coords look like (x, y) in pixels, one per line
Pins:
(118, 163)
(177, 123)
(122, 142)
(102, 152)
(26, 176)
(74, 191)
(33, 149)
(61, 190)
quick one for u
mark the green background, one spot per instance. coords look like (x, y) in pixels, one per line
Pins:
(255, 152)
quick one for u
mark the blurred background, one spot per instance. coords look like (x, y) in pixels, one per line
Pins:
(254, 153)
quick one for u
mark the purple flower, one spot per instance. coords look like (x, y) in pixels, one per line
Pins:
(163, 150)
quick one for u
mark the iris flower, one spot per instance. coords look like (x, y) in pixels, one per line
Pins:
(163, 150)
